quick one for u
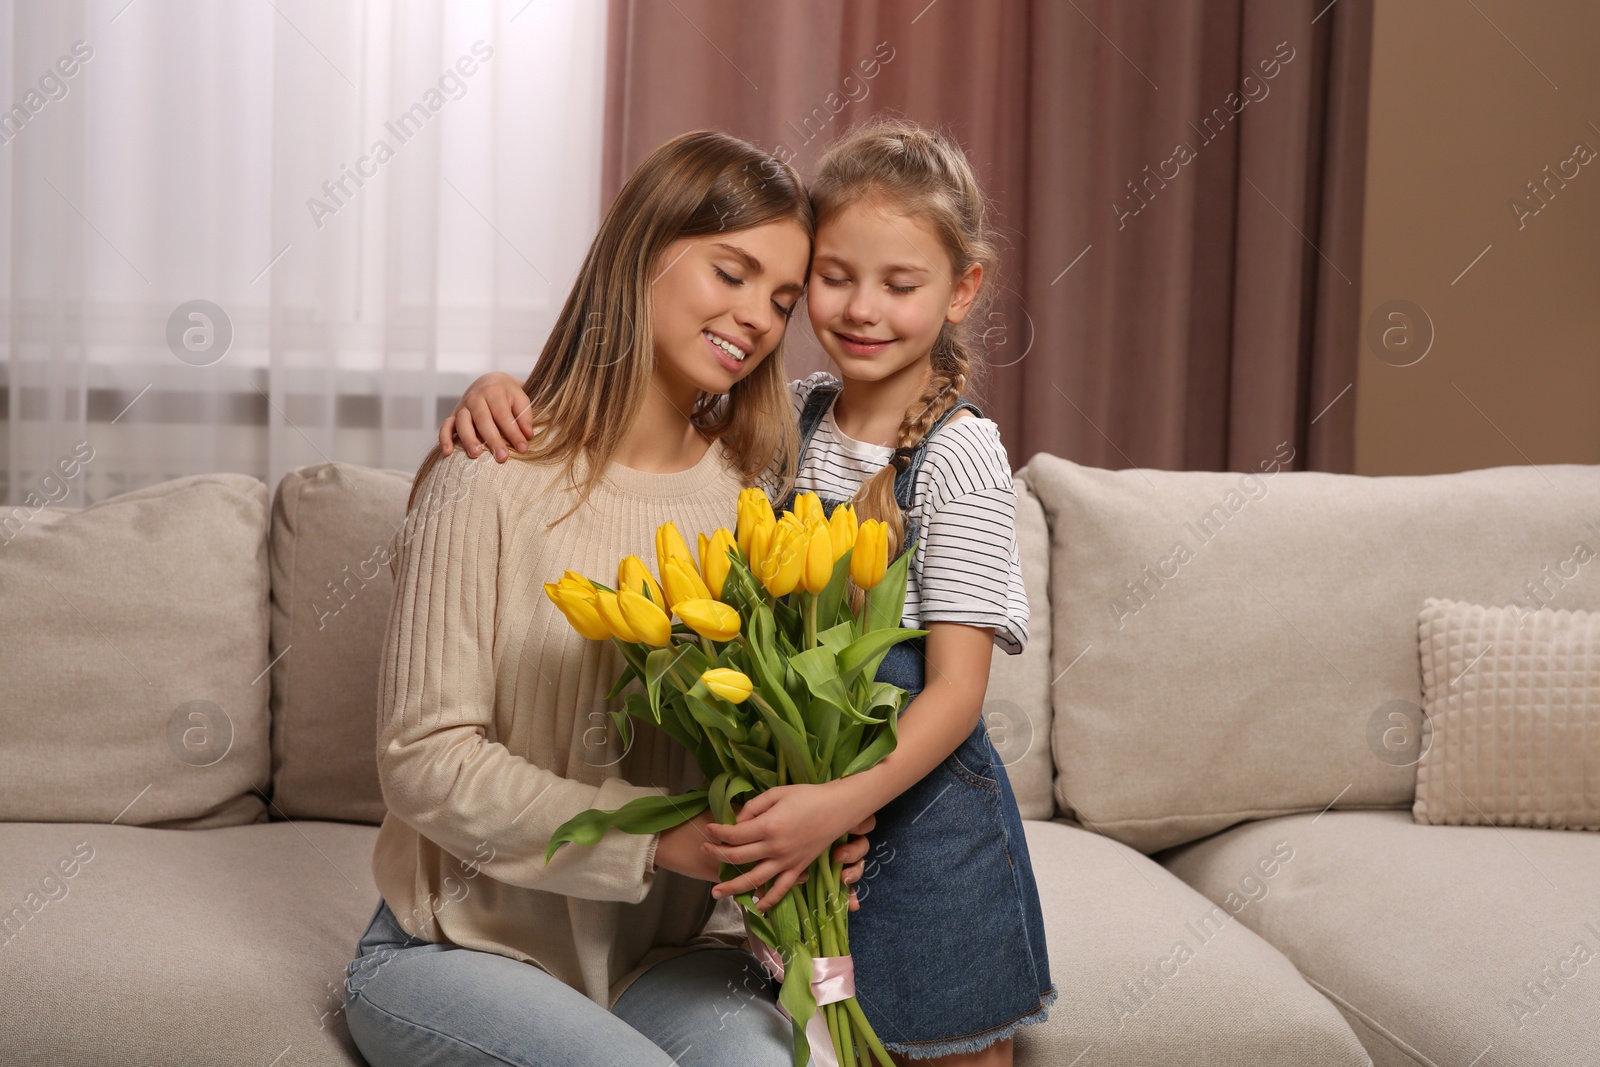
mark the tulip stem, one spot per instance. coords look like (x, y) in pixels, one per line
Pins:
(809, 612)
(865, 1029)
(821, 907)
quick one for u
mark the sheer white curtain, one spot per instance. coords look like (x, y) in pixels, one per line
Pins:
(379, 199)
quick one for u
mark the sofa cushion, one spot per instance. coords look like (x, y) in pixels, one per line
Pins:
(1244, 638)
(133, 645)
(1437, 942)
(1016, 707)
(1511, 733)
(1149, 971)
(334, 526)
(167, 947)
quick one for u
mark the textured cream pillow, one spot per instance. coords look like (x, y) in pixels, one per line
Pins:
(1511, 735)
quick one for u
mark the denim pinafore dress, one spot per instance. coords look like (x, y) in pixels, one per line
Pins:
(948, 944)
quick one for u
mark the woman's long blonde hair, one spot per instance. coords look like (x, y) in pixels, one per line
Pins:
(919, 173)
(592, 377)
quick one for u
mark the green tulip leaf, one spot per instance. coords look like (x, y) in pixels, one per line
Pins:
(885, 695)
(845, 747)
(714, 713)
(628, 675)
(756, 755)
(788, 619)
(820, 670)
(865, 653)
(789, 741)
(656, 666)
(832, 598)
(828, 736)
(880, 746)
(724, 790)
(760, 767)
(678, 724)
(836, 638)
(642, 815)
(798, 999)
(785, 917)
(691, 656)
(769, 670)
(624, 724)
(817, 666)
(886, 601)
(761, 737)
(755, 920)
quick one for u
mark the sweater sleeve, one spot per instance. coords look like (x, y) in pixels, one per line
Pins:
(439, 770)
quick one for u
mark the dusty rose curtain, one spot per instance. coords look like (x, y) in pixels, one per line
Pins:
(1177, 188)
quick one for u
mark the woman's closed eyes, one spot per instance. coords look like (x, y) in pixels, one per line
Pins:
(786, 312)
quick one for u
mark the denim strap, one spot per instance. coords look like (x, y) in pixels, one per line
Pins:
(905, 482)
(815, 408)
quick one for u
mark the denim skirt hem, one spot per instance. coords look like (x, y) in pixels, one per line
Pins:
(949, 944)
(925, 1050)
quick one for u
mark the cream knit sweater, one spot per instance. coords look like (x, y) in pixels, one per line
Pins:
(492, 725)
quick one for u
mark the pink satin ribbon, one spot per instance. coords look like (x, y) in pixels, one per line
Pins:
(833, 978)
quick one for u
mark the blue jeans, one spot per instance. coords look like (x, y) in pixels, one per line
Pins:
(413, 1002)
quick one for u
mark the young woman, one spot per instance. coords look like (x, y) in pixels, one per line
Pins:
(949, 951)
(491, 725)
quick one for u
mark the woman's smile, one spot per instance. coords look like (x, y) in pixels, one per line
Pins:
(729, 352)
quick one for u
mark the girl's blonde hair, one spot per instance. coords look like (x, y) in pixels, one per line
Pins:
(595, 371)
(921, 174)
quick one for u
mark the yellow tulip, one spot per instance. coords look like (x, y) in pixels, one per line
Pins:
(755, 510)
(633, 574)
(819, 559)
(751, 496)
(727, 683)
(575, 596)
(682, 582)
(670, 543)
(842, 529)
(780, 569)
(714, 561)
(871, 556)
(807, 505)
(611, 611)
(646, 620)
(708, 618)
(760, 542)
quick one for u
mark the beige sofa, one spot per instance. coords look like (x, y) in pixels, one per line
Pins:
(1202, 741)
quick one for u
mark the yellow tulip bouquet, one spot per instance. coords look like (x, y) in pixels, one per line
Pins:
(768, 679)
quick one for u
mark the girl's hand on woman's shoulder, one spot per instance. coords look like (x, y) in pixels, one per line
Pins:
(493, 411)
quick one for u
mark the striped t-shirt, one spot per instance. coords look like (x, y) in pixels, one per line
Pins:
(966, 567)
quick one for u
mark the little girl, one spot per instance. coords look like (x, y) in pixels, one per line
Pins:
(949, 954)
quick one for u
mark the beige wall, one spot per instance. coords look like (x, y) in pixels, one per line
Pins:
(1461, 121)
